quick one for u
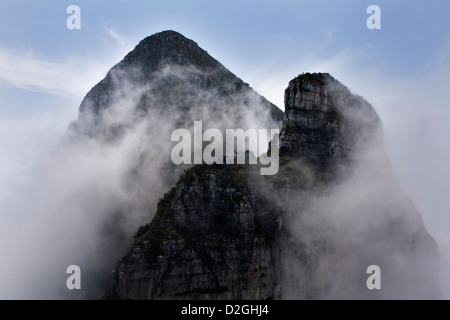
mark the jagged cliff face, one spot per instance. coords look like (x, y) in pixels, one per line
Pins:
(310, 232)
(213, 237)
(324, 123)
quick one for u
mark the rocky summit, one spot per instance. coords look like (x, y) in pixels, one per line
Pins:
(222, 231)
(324, 121)
(171, 77)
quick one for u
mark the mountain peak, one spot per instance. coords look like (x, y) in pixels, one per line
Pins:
(170, 47)
(321, 118)
(316, 78)
(166, 36)
(190, 69)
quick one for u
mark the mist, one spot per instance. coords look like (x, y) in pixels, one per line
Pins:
(335, 229)
(414, 111)
(98, 180)
(80, 194)
(364, 218)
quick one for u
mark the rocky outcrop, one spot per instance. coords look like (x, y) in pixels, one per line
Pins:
(213, 237)
(324, 122)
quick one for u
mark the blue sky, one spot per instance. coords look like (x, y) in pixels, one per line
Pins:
(402, 69)
(254, 39)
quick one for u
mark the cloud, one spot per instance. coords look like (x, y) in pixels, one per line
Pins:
(85, 201)
(272, 79)
(415, 114)
(70, 78)
(19, 145)
(414, 109)
(330, 34)
(113, 34)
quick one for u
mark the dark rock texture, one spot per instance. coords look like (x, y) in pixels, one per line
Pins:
(347, 212)
(213, 237)
(310, 232)
(324, 122)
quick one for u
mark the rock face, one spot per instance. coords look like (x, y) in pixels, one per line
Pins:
(310, 232)
(213, 237)
(324, 122)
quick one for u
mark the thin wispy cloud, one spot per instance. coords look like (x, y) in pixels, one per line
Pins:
(331, 34)
(117, 37)
(70, 78)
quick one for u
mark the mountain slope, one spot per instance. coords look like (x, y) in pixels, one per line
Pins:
(170, 75)
(117, 153)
